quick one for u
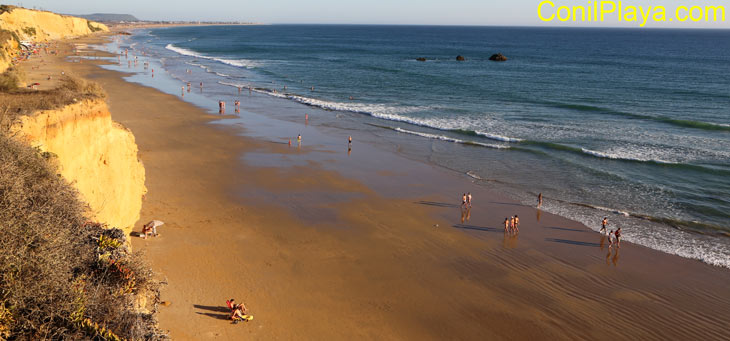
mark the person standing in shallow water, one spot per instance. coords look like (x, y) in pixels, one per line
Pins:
(603, 224)
(506, 225)
(539, 200)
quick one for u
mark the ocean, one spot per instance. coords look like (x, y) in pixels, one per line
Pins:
(629, 124)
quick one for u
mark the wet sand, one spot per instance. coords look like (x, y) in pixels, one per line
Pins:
(321, 250)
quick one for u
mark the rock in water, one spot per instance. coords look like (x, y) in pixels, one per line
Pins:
(460, 58)
(421, 59)
(498, 58)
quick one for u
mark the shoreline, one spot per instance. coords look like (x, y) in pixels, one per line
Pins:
(537, 276)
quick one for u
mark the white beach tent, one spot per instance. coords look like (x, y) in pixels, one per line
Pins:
(155, 223)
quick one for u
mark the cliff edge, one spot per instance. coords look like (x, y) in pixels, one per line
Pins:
(95, 154)
(20, 24)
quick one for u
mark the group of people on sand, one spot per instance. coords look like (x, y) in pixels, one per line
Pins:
(466, 200)
(512, 225)
(614, 237)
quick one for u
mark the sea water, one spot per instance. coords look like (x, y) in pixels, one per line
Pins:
(633, 124)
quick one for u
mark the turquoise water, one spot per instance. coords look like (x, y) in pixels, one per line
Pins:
(630, 124)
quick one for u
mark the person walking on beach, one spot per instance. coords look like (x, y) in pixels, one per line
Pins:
(237, 105)
(517, 224)
(299, 139)
(603, 224)
(506, 225)
(618, 237)
(468, 199)
(221, 107)
(539, 200)
(611, 239)
(188, 86)
(463, 200)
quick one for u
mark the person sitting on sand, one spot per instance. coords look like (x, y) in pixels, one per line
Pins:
(151, 228)
(239, 313)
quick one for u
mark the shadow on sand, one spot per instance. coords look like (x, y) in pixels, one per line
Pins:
(476, 228)
(564, 229)
(219, 309)
(572, 242)
(437, 204)
(226, 313)
(218, 316)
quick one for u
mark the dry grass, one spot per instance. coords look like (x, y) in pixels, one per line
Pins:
(10, 79)
(18, 101)
(61, 277)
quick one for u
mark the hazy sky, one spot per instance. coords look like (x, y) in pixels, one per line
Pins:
(433, 12)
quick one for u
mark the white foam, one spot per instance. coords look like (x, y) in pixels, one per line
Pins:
(498, 137)
(184, 52)
(616, 156)
(474, 175)
(447, 138)
(235, 85)
(243, 63)
(659, 237)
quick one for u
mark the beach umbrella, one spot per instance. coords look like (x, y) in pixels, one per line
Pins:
(155, 223)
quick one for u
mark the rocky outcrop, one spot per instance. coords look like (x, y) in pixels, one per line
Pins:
(498, 58)
(96, 155)
(460, 58)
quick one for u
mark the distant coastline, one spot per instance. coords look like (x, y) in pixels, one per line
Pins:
(158, 24)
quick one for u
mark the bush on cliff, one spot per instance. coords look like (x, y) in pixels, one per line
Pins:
(15, 102)
(10, 79)
(62, 277)
(92, 27)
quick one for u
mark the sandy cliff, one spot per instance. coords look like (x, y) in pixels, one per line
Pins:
(44, 26)
(98, 156)
(39, 26)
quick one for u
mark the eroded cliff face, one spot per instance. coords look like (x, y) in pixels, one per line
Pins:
(44, 26)
(39, 26)
(8, 49)
(95, 154)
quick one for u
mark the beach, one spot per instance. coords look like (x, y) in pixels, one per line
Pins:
(324, 244)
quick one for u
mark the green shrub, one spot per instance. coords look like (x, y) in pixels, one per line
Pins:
(29, 31)
(10, 79)
(92, 27)
(6, 35)
(6, 8)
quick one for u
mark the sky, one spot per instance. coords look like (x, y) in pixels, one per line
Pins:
(418, 12)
